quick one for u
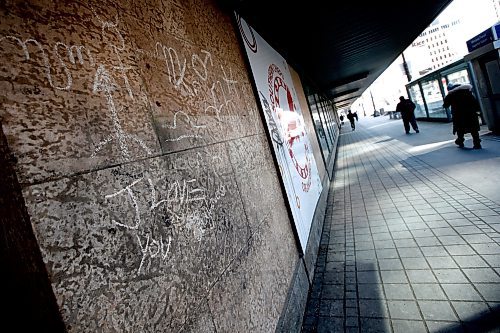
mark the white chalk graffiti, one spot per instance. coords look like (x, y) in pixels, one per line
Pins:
(162, 249)
(189, 124)
(103, 82)
(45, 59)
(185, 206)
(196, 77)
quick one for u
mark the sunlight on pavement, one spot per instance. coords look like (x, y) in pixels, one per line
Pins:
(429, 146)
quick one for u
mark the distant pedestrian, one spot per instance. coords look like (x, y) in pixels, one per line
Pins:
(342, 119)
(464, 111)
(350, 116)
(356, 115)
(407, 110)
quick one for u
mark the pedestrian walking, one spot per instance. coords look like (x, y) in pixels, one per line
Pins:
(407, 110)
(465, 111)
(351, 118)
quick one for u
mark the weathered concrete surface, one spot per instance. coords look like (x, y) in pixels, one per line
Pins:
(27, 298)
(147, 176)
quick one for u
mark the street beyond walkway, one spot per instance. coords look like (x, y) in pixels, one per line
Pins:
(411, 237)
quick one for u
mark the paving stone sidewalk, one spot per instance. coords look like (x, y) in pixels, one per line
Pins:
(405, 248)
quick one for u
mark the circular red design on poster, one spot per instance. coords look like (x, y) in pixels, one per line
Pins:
(291, 124)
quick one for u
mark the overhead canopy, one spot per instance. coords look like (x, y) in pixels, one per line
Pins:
(340, 46)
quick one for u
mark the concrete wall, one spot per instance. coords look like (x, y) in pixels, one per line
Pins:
(144, 165)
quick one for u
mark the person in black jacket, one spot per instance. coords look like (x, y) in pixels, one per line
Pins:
(407, 110)
(464, 111)
(351, 118)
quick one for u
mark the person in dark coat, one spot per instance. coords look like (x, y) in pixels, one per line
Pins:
(350, 116)
(407, 110)
(464, 111)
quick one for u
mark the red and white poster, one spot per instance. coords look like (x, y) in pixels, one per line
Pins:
(286, 127)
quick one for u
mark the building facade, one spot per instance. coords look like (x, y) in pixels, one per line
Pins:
(140, 159)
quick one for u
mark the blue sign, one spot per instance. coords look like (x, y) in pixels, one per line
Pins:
(482, 39)
(497, 30)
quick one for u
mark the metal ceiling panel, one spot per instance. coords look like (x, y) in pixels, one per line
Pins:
(339, 46)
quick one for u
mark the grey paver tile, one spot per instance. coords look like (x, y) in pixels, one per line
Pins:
(381, 236)
(403, 243)
(484, 275)
(434, 251)
(380, 229)
(450, 276)
(461, 292)
(329, 324)
(384, 244)
(375, 325)
(332, 291)
(364, 238)
(427, 241)
(387, 253)
(330, 307)
(446, 231)
(370, 291)
(368, 277)
(409, 252)
(415, 263)
(364, 245)
(413, 220)
(490, 291)
(421, 276)
(459, 250)
(422, 233)
(472, 261)
(460, 222)
(404, 310)
(433, 217)
(437, 224)
(394, 276)
(441, 262)
(477, 238)
(401, 234)
(417, 226)
(467, 230)
(365, 254)
(493, 260)
(390, 264)
(487, 248)
(428, 291)
(444, 326)
(437, 310)
(352, 312)
(373, 308)
(398, 291)
(333, 277)
(451, 240)
(397, 227)
(468, 311)
(407, 326)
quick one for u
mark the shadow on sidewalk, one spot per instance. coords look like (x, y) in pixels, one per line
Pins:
(488, 322)
(343, 300)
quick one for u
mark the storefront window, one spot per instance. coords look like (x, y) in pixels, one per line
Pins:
(416, 97)
(321, 132)
(461, 77)
(327, 112)
(434, 99)
(324, 122)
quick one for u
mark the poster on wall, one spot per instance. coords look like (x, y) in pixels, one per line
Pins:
(286, 127)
